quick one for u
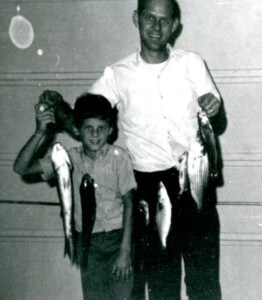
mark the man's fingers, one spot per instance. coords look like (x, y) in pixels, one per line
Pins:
(205, 100)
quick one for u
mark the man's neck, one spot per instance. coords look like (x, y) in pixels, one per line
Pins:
(154, 57)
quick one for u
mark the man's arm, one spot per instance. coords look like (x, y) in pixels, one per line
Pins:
(25, 163)
(210, 104)
(123, 264)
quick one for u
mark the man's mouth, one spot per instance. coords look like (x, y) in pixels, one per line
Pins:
(155, 36)
(94, 142)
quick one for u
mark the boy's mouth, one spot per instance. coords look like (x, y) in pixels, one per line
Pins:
(94, 142)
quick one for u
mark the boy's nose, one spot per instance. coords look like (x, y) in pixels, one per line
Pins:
(95, 132)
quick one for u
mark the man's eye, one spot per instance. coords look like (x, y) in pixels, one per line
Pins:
(165, 22)
(150, 18)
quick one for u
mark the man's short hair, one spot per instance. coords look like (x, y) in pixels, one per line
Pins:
(141, 4)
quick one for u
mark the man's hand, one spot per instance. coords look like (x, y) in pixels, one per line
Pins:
(123, 267)
(210, 104)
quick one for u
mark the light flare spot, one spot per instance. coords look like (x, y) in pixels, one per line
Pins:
(40, 52)
(21, 32)
(116, 152)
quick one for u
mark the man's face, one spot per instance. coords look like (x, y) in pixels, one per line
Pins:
(156, 25)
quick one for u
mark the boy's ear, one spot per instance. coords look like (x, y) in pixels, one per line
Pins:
(76, 131)
(135, 18)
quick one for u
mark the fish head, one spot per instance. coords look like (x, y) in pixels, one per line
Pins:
(203, 120)
(59, 156)
(162, 194)
(87, 180)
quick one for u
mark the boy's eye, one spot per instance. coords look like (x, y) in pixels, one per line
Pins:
(91, 130)
(88, 128)
(101, 128)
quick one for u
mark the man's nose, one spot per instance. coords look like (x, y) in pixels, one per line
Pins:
(157, 24)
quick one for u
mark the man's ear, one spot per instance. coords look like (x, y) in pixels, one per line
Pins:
(135, 18)
(175, 25)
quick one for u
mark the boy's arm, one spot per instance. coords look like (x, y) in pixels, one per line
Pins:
(26, 163)
(123, 264)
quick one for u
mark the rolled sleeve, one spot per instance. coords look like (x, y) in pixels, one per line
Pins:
(47, 168)
(106, 86)
(126, 177)
(201, 76)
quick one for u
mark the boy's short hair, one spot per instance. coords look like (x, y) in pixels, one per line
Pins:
(92, 106)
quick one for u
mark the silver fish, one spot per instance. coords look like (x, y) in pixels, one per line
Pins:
(163, 214)
(183, 173)
(198, 172)
(62, 166)
(209, 141)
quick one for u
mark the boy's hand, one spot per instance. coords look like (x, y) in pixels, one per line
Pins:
(209, 103)
(43, 117)
(123, 267)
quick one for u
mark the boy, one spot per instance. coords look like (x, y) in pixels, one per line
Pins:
(109, 272)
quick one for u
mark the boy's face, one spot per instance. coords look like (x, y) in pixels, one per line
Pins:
(94, 134)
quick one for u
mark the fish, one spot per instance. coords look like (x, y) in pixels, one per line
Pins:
(202, 159)
(64, 119)
(198, 170)
(88, 204)
(62, 166)
(183, 173)
(209, 142)
(163, 214)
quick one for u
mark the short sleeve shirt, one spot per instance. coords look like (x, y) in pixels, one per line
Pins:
(157, 106)
(113, 177)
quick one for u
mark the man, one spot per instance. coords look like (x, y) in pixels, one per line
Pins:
(158, 92)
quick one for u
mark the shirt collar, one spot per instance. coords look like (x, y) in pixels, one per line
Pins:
(171, 53)
(100, 154)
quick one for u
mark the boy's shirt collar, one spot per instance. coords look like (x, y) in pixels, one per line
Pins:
(100, 153)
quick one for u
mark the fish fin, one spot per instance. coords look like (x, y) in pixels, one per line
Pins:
(70, 250)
